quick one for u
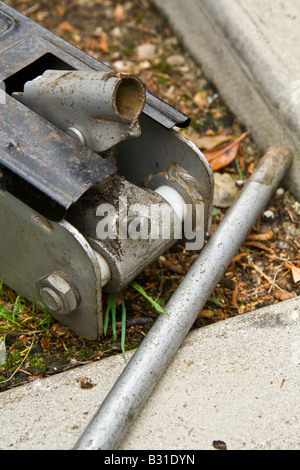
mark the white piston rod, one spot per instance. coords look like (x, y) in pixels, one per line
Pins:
(104, 268)
(175, 200)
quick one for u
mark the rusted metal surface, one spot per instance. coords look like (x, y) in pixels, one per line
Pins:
(38, 162)
(61, 179)
(148, 161)
(125, 255)
(134, 386)
(17, 29)
(42, 166)
(102, 108)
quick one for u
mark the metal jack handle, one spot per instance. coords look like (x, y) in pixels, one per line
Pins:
(149, 362)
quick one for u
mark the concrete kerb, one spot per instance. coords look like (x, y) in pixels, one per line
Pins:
(249, 50)
(235, 381)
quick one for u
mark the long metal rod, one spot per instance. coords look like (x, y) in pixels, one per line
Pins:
(143, 371)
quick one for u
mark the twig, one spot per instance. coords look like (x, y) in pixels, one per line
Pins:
(20, 365)
(274, 279)
(33, 9)
(253, 265)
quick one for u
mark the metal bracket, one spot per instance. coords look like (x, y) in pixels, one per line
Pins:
(100, 109)
(32, 249)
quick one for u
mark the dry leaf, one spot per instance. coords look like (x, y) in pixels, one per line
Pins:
(210, 142)
(59, 330)
(206, 314)
(223, 156)
(103, 43)
(42, 15)
(284, 295)
(45, 342)
(239, 257)
(65, 26)
(61, 10)
(32, 378)
(235, 290)
(119, 13)
(176, 268)
(295, 272)
(262, 236)
(226, 190)
(200, 99)
(146, 50)
(258, 245)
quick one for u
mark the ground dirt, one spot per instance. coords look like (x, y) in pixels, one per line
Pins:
(130, 36)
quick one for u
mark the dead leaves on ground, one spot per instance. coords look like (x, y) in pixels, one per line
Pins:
(119, 13)
(220, 149)
(225, 154)
(295, 272)
(283, 295)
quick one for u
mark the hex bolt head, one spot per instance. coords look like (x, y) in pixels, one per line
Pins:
(58, 293)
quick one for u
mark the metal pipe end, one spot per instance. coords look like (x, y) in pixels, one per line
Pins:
(130, 98)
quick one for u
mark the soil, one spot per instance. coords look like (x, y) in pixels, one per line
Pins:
(132, 37)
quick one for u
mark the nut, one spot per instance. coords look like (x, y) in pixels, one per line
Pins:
(58, 293)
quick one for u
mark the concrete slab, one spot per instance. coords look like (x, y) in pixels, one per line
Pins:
(250, 50)
(236, 381)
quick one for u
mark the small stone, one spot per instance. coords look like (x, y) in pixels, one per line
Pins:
(280, 192)
(268, 215)
(117, 32)
(144, 65)
(176, 60)
(122, 66)
(146, 50)
(283, 245)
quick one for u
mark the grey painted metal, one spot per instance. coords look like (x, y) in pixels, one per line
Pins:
(54, 89)
(154, 162)
(148, 364)
(17, 29)
(125, 254)
(32, 148)
(103, 106)
(32, 248)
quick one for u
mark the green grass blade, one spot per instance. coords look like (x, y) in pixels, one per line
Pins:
(123, 334)
(113, 316)
(157, 307)
(106, 318)
(241, 176)
(1, 286)
(111, 308)
(216, 301)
